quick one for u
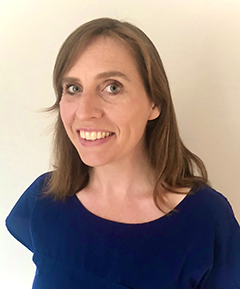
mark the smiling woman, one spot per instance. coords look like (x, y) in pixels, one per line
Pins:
(127, 204)
(108, 99)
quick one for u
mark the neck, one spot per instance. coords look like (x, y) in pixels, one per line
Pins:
(127, 178)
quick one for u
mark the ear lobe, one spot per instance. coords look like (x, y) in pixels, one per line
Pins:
(155, 112)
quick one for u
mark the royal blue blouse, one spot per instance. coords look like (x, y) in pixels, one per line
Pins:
(196, 247)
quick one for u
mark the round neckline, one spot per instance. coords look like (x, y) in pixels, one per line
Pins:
(168, 216)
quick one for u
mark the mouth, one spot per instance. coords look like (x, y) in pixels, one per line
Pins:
(94, 135)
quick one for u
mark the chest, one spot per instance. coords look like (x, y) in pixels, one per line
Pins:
(69, 241)
(128, 213)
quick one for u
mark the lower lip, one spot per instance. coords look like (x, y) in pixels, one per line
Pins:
(93, 143)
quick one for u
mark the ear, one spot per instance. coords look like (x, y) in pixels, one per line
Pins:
(155, 112)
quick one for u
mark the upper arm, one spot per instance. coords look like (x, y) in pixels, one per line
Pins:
(18, 221)
(225, 270)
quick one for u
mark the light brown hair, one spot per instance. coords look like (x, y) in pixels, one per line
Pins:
(175, 166)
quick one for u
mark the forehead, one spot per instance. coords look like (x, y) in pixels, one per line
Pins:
(105, 53)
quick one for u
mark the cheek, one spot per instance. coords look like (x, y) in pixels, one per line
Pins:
(133, 122)
(67, 112)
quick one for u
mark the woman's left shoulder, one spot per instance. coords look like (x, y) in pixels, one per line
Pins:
(214, 203)
(216, 214)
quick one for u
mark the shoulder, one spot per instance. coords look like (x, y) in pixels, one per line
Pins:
(213, 205)
(221, 231)
(27, 200)
(19, 219)
(38, 185)
(211, 198)
(42, 180)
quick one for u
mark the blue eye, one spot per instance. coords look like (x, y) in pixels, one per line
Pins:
(114, 88)
(72, 89)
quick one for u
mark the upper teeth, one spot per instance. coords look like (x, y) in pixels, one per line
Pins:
(93, 135)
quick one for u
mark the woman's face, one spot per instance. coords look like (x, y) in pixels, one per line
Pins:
(104, 106)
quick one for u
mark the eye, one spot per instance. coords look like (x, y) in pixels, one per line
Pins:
(114, 88)
(72, 89)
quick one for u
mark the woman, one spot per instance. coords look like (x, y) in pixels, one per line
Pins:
(128, 205)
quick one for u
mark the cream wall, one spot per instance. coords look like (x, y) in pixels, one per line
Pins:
(199, 43)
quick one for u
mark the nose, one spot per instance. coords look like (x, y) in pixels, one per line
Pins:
(89, 106)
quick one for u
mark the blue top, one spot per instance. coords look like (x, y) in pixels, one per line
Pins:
(196, 247)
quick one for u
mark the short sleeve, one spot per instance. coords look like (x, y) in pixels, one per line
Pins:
(225, 270)
(18, 221)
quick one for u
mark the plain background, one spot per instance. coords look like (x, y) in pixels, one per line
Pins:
(199, 42)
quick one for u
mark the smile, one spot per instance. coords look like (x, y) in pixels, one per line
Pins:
(94, 135)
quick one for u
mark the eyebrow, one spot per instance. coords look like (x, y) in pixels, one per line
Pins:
(101, 75)
(112, 73)
(67, 79)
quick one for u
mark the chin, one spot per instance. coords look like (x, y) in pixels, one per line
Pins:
(92, 160)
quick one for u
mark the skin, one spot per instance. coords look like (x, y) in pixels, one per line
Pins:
(95, 107)
(103, 91)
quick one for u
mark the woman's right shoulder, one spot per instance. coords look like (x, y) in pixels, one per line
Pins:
(42, 180)
(35, 189)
